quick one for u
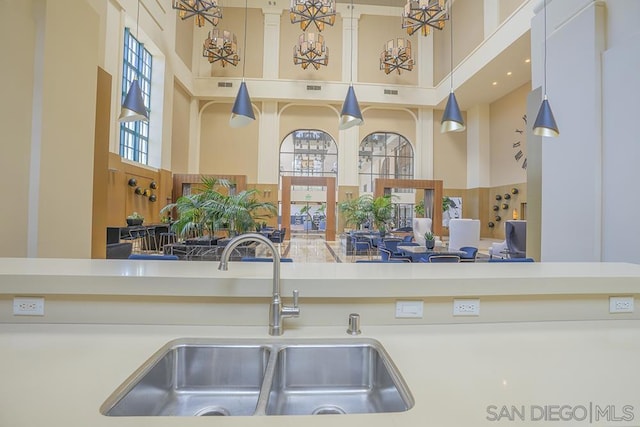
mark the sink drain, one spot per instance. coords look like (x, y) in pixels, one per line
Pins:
(328, 410)
(214, 411)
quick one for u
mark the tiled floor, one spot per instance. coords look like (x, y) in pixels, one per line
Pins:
(313, 248)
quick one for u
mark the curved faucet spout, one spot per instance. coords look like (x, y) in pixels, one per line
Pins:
(276, 310)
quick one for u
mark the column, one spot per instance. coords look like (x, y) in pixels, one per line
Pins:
(423, 156)
(491, 16)
(271, 40)
(478, 146)
(193, 165)
(268, 144)
(572, 187)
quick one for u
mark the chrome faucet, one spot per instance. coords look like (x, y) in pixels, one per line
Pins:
(277, 311)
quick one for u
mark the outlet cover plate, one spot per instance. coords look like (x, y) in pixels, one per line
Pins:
(466, 307)
(620, 304)
(28, 306)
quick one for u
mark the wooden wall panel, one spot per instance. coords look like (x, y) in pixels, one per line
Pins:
(100, 165)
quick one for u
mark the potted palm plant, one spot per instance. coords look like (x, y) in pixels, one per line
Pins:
(203, 213)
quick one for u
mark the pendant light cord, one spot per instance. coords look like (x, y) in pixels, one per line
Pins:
(351, 46)
(544, 78)
(244, 42)
(451, 40)
(138, 21)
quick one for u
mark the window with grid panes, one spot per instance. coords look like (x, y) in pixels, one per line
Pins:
(134, 136)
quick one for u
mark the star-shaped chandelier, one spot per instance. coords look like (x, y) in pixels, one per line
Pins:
(423, 15)
(396, 56)
(221, 46)
(203, 10)
(310, 50)
(318, 12)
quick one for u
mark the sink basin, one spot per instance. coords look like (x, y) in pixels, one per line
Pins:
(198, 377)
(193, 378)
(336, 379)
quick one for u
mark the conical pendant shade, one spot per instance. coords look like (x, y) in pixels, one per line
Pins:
(242, 111)
(351, 115)
(133, 106)
(452, 118)
(545, 124)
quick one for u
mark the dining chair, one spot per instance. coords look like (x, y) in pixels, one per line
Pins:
(359, 245)
(470, 254)
(262, 259)
(444, 258)
(154, 257)
(387, 256)
(511, 260)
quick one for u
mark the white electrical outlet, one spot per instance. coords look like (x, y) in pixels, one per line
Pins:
(28, 306)
(466, 307)
(620, 304)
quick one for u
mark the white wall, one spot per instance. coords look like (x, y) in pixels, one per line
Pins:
(571, 163)
(621, 145)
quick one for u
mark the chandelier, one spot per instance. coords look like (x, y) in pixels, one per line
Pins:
(424, 15)
(310, 50)
(396, 56)
(203, 10)
(221, 45)
(318, 12)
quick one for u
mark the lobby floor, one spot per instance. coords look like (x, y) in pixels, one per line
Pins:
(313, 248)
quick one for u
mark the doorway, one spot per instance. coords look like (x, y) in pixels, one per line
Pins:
(306, 219)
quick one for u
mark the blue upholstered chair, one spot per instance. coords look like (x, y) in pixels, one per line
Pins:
(516, 236)
(470, 254)
(387, 256)
(358, 245)
(444, 258)
(511, 260)
(154, 257)
(260, 259)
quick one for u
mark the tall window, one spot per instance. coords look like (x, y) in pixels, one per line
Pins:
(134, 136)
(308, 152)
(384, 155)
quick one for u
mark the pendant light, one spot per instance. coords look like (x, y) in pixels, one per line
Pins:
(133, 108)
(451, 118)
(545, 124)
(242, 111)
(350, 115)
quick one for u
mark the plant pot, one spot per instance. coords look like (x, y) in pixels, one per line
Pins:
(430, 244)
(131, 222)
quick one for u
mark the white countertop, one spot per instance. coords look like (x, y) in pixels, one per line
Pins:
(59, 375)
(202, 278)
(58, 369)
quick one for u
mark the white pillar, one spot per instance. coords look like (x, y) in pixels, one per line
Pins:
(268, 144)
(571, 190)
(491, 16)
(478, 146)
(271, 40)
(348, 146)
(193, 158)
(423, 156)
(349, 55)
(425, 68)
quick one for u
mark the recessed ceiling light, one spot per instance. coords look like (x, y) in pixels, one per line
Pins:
(509, 73)
(495, 83)
(527, 60)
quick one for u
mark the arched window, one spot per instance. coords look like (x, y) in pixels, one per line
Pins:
(308, 152)
(384, 155)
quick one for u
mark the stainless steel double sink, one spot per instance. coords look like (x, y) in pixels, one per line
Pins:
(202, 377)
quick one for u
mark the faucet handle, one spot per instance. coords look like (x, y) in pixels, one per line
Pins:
(296, 295)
